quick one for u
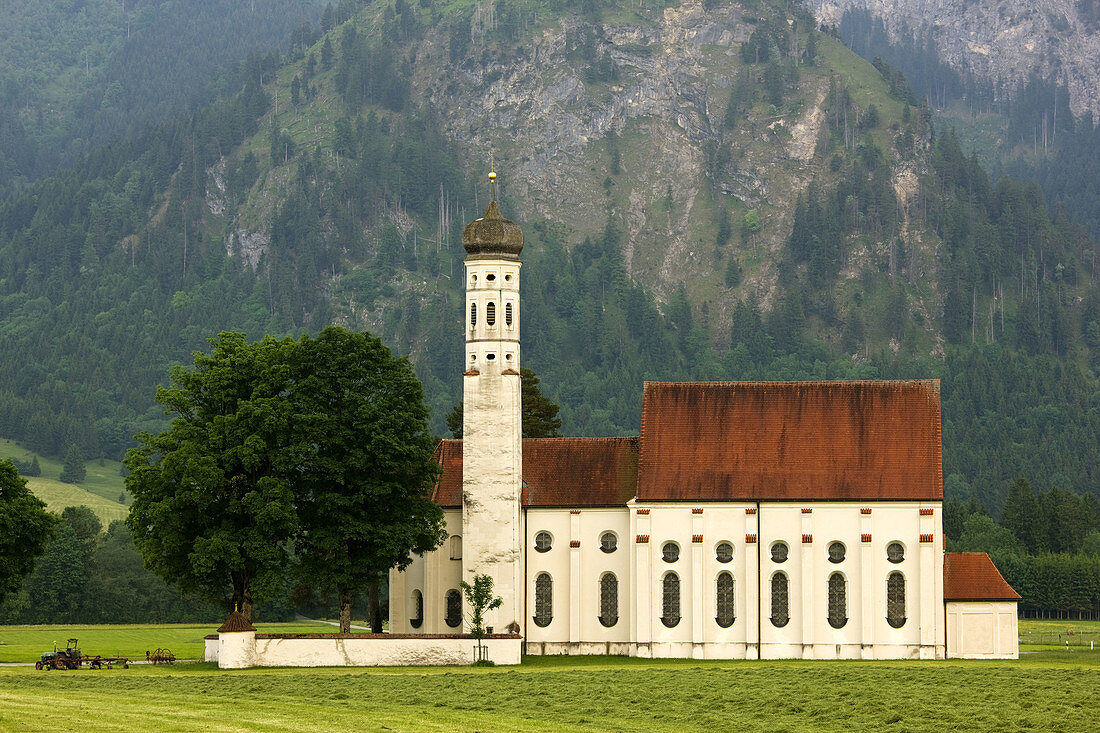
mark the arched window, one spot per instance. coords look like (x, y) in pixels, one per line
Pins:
(456, 547)
(838, 601)
(491, 313)
(543, 542)
(670, 600)
(724, 600)
(609, 599)
(417, 603)
(779, 552)
(781, 612)
(508, 314)
(836, 552)
(670, 552)
(895, 599)
(609, 542)
(544, 599)
(473, 314)
(895, 552)
(723, 552)
(454, 608)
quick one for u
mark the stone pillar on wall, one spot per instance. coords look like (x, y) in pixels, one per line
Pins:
(700, 584)
(644, 609)
(929, 629)
(575, 575)
(870, 586)
(808, 583)
(752, 583)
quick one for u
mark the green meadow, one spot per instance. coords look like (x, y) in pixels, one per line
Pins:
(1044, 691)
(26, 643)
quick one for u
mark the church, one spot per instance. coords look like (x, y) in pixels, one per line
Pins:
(747, 520)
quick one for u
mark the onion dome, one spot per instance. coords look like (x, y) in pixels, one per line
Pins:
(493, 236)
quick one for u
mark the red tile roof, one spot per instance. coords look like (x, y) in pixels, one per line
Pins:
(790, 441)
(972, 576)
(557, 472)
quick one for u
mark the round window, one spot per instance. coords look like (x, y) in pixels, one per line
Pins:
(779, 552)
(895, 553)
(836, 552)
(543, 542)
(723, 552)
(609, 542)
(670, 552)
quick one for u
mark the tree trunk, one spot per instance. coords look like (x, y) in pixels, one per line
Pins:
(375, 609)
(242, 598)
(345, 609)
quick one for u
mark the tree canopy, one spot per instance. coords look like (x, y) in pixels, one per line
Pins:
(213, 507)
(25, 528)
(319, 445)
(364, 494)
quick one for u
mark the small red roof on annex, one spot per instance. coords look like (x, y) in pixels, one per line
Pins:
(972, 576)
(557, 472)
(790, 441)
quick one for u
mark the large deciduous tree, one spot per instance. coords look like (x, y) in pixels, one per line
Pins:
(311, 456)
(213, 502)
(25, 528)
(365, 493)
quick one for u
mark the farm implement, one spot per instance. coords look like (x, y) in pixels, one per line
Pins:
(72, 658)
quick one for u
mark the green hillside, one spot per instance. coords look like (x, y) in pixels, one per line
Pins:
(710, 190)
(78, 74)
(99, 491)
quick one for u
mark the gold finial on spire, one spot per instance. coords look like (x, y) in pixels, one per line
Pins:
(492, 177)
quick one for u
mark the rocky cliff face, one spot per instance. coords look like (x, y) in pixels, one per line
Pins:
(1001, 40)
(651, 92)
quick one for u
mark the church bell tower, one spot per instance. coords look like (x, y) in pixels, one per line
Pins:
(492, 445)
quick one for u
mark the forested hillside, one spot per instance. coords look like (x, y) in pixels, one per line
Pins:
(710, 190)
(75, 74)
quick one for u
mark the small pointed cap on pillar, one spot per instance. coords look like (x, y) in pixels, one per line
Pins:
(492, 235)
(235, 622)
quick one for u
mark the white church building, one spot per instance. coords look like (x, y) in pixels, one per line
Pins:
(748, 520)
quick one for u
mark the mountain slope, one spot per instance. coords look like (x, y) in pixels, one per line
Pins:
(709, 191)
(1000, 42)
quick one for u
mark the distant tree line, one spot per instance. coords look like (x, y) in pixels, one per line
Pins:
(1047, 545)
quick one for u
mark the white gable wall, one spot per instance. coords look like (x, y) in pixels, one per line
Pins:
(982, 630)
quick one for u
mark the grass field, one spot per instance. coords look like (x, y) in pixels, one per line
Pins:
(1048, 691)
(1051, 634)
(26, 643)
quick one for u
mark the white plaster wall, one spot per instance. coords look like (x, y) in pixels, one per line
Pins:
(211, 646)
(433, 573)
(237, 650)
(669, 523)
(575, 628)
(982, 630)
(556, 562)
(576, 573)
(593, 564)
(366, 651)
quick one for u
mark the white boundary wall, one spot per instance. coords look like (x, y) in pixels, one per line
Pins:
(237, 650)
